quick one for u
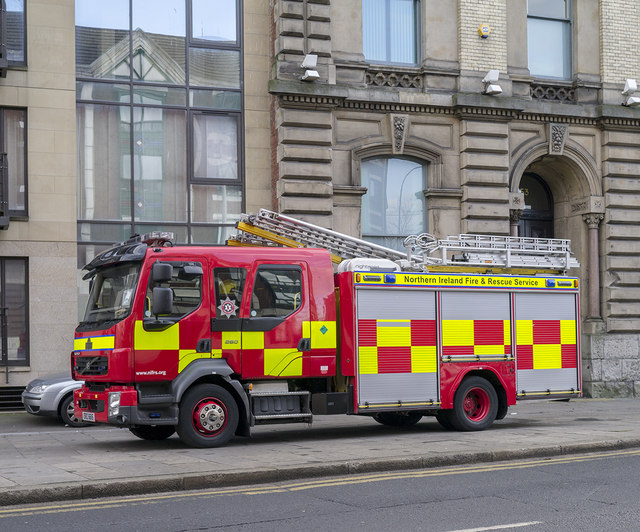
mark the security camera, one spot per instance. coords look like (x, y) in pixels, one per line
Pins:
(310, 75)
(310, 61)
(630, 86)
(633, 101)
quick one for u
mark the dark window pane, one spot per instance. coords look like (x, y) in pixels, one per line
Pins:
(102, 39)
(102, 92)
(548, 8)
(276, 292)
(215, 99)
(229, 286)
(214, 68)
(215, 203)
(104, 162)
(15, 31)
(215, 147)
(159, 162)
(210, 234)
(160, 96)
(214, 20)
(15, 148)
(158, 52)
(186, 288)
(14, 298)
(108, 233)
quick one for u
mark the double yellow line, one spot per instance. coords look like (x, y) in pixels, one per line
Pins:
(20, 511)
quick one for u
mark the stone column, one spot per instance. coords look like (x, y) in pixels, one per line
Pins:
(593, 222)
(514, 220)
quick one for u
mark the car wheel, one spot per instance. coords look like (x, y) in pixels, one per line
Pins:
(475, 405)
(67, 415)
(153, 432)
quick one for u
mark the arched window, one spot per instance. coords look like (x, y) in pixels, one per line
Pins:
(394, 205)
(537, 217)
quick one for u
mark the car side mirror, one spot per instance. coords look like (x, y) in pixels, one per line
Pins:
(162, 301)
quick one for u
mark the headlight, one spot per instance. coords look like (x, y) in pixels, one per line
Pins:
(37, 388)
(114, 403)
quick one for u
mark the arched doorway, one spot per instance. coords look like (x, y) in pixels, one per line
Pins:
(536, 219)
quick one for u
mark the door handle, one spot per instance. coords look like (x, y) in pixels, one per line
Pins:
(203, 346)
(304, 344)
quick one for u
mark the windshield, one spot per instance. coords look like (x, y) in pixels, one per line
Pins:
(112, 293)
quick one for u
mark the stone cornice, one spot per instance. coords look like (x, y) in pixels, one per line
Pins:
(464, 105)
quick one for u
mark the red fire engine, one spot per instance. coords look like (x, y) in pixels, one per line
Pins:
(210, 341)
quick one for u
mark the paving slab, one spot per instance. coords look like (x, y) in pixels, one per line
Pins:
(53, 464)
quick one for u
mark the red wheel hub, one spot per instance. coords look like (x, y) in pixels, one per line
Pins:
(209, 416)
(476, 404)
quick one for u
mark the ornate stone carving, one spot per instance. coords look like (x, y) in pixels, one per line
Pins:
(593, 219)
(552, 93)
(514, 216)
(398, 131)
(558, 134)
(384, 78)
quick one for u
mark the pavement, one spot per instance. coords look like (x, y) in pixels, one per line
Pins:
(48, 462)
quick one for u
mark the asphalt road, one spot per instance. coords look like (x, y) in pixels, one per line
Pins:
(581, 492)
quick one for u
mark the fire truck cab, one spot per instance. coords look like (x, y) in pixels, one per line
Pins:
(210, 341)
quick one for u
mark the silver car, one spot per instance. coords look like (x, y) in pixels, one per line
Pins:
(53, 396)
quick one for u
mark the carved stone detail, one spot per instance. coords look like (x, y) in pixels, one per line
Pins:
(514, 216)
(552, 93)
(383, 78)
(399, 125)
(558, 134)
(593, 220)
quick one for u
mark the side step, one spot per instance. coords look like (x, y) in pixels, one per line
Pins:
(280, 407)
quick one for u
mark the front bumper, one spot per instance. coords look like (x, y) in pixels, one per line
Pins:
(102, 407)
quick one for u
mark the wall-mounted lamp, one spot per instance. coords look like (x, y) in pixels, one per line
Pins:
(490, 81)
(630, 88)
(309, 67)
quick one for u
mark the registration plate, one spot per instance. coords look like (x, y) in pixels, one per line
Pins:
(88, 416)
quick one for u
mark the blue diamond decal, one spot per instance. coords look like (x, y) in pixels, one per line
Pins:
(324, 329)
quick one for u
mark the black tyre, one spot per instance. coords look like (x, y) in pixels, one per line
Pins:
(67, 415)
(475, 405)
(153, 432)
(208, 416)
(398, 419)
(444, 418)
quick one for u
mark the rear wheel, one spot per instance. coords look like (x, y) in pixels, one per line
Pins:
(67, 413)
(475, 405)
(153, 432)
(398, 419)
(208, 416)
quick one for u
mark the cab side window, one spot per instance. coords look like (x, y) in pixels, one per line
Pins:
(186, 285)
(277, 291)
(229, 285)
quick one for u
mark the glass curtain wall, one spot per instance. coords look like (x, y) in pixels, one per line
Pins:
(159, 120)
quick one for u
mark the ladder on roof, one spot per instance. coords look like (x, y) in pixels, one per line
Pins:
(268, 228)
(494, 251)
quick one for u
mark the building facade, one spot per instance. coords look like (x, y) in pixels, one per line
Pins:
(407, 129)
(446, 116)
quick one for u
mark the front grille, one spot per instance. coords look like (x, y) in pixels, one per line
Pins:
(91, 366)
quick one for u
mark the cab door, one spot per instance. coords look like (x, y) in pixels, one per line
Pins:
(276, 339)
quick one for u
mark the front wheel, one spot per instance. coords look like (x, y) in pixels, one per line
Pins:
(475, 405)
(208, 416)
(153, 432)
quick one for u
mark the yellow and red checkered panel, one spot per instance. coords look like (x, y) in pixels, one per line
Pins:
(476, 337)
(546, 344)
(396, 346)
